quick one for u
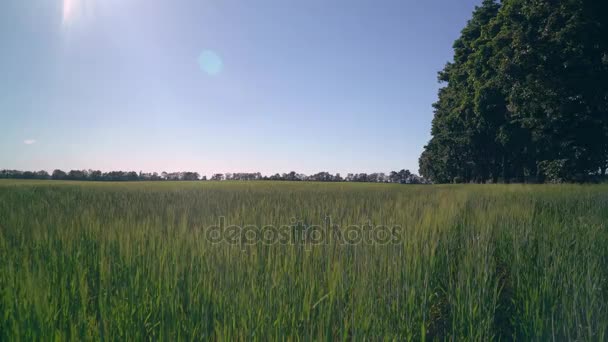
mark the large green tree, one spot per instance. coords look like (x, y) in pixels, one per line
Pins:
(460, 147)
(525, 97)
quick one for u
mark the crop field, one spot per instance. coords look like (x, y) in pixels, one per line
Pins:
(301, 261)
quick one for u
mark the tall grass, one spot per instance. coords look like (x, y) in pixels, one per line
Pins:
(130, 261)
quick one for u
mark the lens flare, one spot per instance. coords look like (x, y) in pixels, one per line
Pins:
(210, 62)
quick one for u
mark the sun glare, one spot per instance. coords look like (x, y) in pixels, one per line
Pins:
(68, 10)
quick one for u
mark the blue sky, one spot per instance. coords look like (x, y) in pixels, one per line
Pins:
(221, 85)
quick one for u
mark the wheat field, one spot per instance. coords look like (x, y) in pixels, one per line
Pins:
(136, 261)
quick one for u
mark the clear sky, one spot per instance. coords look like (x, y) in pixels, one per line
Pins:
(221, 85)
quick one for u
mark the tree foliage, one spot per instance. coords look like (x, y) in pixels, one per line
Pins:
(401, 177)
(526, 96)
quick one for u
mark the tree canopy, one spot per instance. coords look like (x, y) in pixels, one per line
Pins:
(526, 96)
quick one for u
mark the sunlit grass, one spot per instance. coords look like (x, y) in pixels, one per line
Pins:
(130, 261)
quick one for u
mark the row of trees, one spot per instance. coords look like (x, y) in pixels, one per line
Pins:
(401, 177)
(526, 96)
(96, 175)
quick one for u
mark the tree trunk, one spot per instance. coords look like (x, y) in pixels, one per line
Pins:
(505, 175)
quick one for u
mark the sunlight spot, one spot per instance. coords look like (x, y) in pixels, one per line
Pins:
(29, 141)
(68, 10)
(210, 62)
(75, 11)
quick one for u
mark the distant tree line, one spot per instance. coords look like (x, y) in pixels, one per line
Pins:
(525, 98)
(400, 177)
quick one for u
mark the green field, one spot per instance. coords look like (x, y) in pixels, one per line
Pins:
(132, 261)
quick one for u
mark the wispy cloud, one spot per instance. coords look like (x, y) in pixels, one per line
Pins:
(29, 141)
